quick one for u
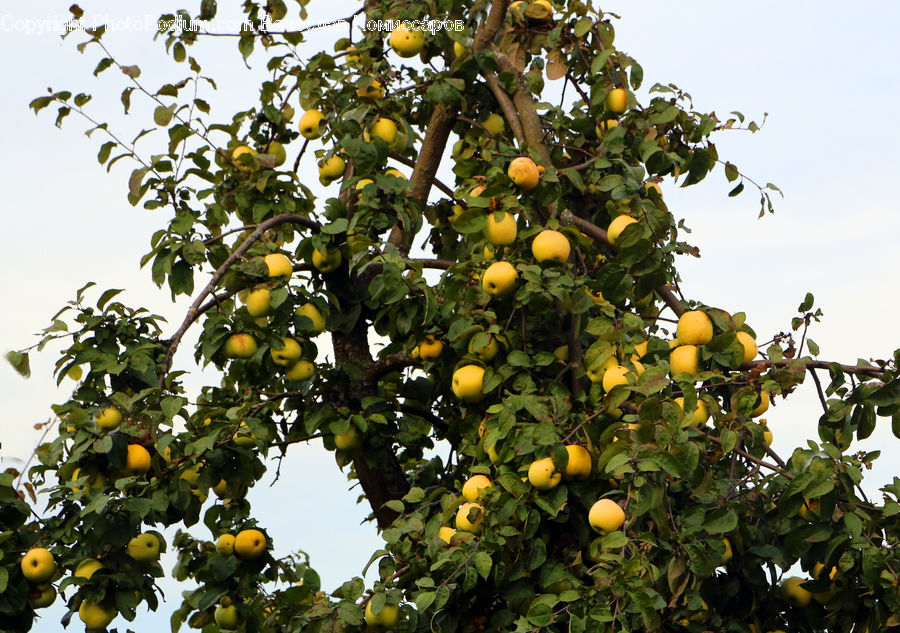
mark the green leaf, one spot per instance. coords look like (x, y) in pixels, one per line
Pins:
(424, 600)
(482, 562)
(396, 505)
(731, 172)
(886, 394)
(582, 26)
(20, 363)
(720, 521)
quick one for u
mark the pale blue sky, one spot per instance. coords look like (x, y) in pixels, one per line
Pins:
(826, 74)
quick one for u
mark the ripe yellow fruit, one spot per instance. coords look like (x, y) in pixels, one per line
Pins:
(701, 413)
(244, 438)
(541, 10)
(278, 265)
(277, 150)
(300, 371)
(226, 616)
(617, 375)
(550, 244)
(372, 90)
(543, 475)
(617, 226)
(579, 464)
(225, 544)
(349, 440)
(694, 328)
(41, 596)
(137, 461)
(242, 150)
(331, 168)
(640, 350)
(108, 419)
(328, 261)
(499, 279)
(144, 548)
(446, 534)
(494, 124)
(96, 615)
(617, 101)
(728, 551)
(192, 474)
(406, 42)
(501, 232)
(463, 521)
(310, 124)
(596, 371)
(524, 173)
(459, 50)
(767, 433)
(684, 359)
(605, 126)
(794, 593)
(486, 353)
(749, 344)
(38, 565)
(362, 183)
(396, 173)
(258, 302)
(467, 383)
(311, 312)
(240, 345)
(288, 353)
(652, 186)
(385, 129)
(606, 516)
(384, 619)
(430, 348)
(87, 568)
(471, 490)
(763, 405)
(249, 544)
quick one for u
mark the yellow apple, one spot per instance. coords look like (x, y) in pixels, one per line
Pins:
(694, 328)
(486, 353)
(541, 10)
(501, 232)
(596, 371)
(763, 405)
(606, 516)
(684, 359)
(406, 42)
(459, 50)
(396, 173)
(310, 124)
(617, 226)
(300, 371)
(499, 279)
(384, 619)
(446, 534)
(471, 490)
(96, 615)
(243, 437)
(249, 544)
(579, 464)
(652, 186)
(38, 565)
(640, 350)
(87, 568)
(430, 349)
(617, 101)
(605, 126)
(701, 413)
(360, 185)
(331, 168)
(552, 245)
(137, 460)
(372, 90)
(543, 475)
(385, 129)
(524, 173)
(225, 544)
(749, 344)
(278, 265)
(226, 617)
(41, 596)
(328, 261)
(794, 593)
(192, 474)
(289, 352)
(108, 419)
(494, 124)
(728, 551)
(767, 433)
(240, 345)
(617, 375)
(467, 383)
(469, 517)
(277, 150)
(349, 440)
(244, 165)
(144, 548)
(258, 302)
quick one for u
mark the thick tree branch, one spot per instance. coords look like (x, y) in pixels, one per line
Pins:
(384, 366)
(195, 310)
(864, 370)
(506, 105)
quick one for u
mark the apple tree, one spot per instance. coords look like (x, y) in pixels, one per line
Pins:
(480, 317)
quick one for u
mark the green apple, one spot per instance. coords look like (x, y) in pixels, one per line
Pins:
(240, 345)
(227, 617)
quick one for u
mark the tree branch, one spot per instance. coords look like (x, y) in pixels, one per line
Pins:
(865, 370)
(506, 104)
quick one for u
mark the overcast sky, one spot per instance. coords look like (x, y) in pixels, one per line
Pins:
(826, 74)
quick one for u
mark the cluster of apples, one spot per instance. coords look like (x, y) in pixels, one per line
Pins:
(246, 545)
(242, 345)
